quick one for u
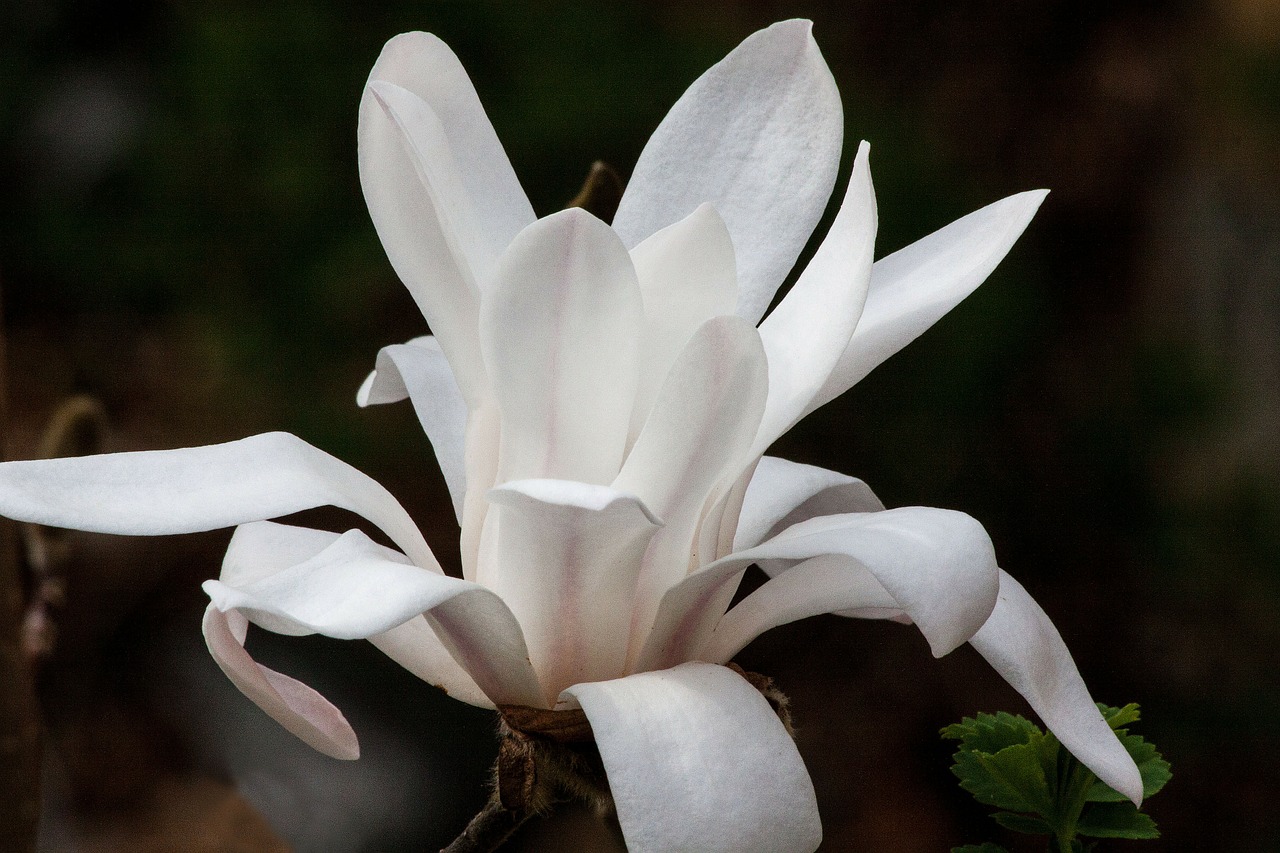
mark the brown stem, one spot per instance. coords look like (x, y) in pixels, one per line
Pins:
(489, 829)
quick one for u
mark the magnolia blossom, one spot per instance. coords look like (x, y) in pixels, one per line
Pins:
(600, 398)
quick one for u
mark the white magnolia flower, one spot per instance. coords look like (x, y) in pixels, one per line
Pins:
(600, 399)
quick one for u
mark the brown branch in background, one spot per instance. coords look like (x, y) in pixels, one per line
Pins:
(20, 732)
(601, 192)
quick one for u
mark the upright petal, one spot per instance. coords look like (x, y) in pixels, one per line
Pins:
(698, 762)
(1024, 647)
(696, 437)
(687, 275)
(937, 564)
(354, 590)
(302, 711)
(565, 558)
(806, 334)
(420, 371)
(425, 66)
(783, 493)
(914, 287)
(758, 136)
(559, 330)
(159, 492)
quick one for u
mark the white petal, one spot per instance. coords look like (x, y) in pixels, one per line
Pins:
(411, 185)
(301, 710)
(687, 275)
(481, 460)
(698, 762)
(806, 334)
(783, 493)
(263, 548)
(160, 492)
(937, 564)
(353, 590)
(1024, 647)
(423, 64)
(565, 556)
(758, 136)
(423, 372)
(559, 330)
(696, 437)
(378, 390)
(826, 584)
(914, 287)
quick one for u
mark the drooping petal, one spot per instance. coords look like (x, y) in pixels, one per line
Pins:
(826, 584)
(354, 590)
(412, 187)
(559, 330)
(915, 286)
(425, 66)
(159, 492)
(697, 760)
(687, 275)
(697, 435)
(565, 557)
(302, 711)
(1020, 642)
(263, 548)
(420, 371)
(759, 136)
(806, 334)
(937, 564)
(783, 493)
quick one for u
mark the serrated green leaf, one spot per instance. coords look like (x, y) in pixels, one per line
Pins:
(979, 848)
(991, 733)
(1116, 820)
(1120, 717)
(1022, 823)
(1154, 769)
(1013, 778)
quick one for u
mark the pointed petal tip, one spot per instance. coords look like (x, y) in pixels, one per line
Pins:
(365, 389)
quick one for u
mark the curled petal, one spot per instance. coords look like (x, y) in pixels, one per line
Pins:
(354, 590)
(697, 760)
(1022, 645)
(783, 493)
(559, 330)
(566, 556)
(914, 287)
(808, 332)
(159, 492)
(421, 372)
(938, 565)
(302, 711)
(759, 136)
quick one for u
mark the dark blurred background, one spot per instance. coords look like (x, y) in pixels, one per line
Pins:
(182, 235)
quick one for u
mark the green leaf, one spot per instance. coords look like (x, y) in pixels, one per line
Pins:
(979, 848)
(991, 733)
(1118, 718)
(1116, 820)
(1023, 823)
(1154, 769)
(1013, 778)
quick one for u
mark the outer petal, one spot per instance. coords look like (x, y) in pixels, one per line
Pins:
(699, 762)
(806, 334)
(783, 493)
(421, 372)
(292, 704)
(352, 590)
(424, 65)
(914, 287)
(687, 275)
(559, 330)
(696, 437)
(566, 557)
(759, 136)
(1023, 646)
(263, 548)
(200, 488)
(826, 584)
(937, 564)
